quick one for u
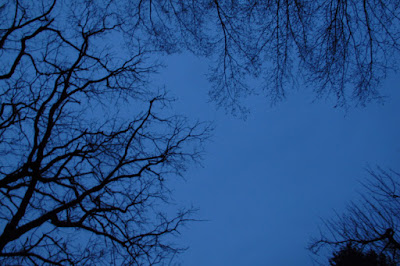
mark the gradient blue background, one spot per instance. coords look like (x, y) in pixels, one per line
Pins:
(266, 182)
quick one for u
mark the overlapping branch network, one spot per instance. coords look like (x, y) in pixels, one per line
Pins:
(86, 146)
(371, 223)
(342, 49)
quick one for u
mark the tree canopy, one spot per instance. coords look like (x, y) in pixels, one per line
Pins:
(341, 49)
(351, 256)
(370, 223)
(87, 146)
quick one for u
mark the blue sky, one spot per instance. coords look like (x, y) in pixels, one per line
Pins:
(266, 181)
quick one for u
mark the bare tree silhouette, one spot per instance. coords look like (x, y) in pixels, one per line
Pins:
(372, 223)
(342, 49)
(86, 147)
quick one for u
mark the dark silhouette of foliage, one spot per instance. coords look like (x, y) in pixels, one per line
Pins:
(372, 223)
(352, 256)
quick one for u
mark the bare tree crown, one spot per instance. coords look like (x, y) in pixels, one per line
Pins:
(86, 145)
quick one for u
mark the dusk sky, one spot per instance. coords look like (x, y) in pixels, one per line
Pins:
(91, 146)
(267, 181)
